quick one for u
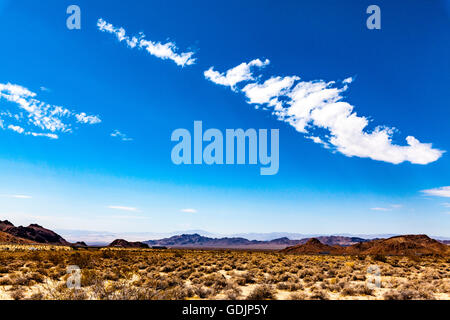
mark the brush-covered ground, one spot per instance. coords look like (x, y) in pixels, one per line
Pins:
(195, 274)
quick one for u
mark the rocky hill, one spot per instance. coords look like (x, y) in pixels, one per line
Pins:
(399, 245)
(313, 246)
(10, 239)
(33, 232)
(121, 243)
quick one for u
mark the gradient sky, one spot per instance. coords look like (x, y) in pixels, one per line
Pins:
(93, 178)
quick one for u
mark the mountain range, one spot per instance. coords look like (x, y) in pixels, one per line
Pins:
(396, 245)
(198, 241)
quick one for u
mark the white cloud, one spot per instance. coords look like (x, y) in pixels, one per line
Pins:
(120, 135)
(438, 192)
(15, 196)
(83, 118)
(123, 208)
(446, 204)
(267, 91)
(45, 89)
(48, 135)
(312, 105)
(160, 50)
(35, 113)
(17, 129)
(188, 210)
(318, 141)
(235, 75)
(380, 209)
(390, 208)
(348, 80)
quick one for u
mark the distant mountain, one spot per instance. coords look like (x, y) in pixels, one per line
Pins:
(198, 241)
(33, 232)
(398, 245)
(121, 243)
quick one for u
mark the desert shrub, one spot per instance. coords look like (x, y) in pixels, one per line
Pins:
(89, 277)
(318, 294)
(36, 277)
(233, 292)
(392, 295)
(202, 291)
(262, 292)
(54, 257)
(380, 258)
(290, 286)
(82, 260)
(17, 293)
(298, 296)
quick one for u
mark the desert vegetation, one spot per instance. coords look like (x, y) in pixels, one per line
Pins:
(195, 274)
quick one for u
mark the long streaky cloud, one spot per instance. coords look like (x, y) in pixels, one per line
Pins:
(124, 208)
(15, 196)
(317, 109)
(160, 50)
(32, 114)
(438, 192)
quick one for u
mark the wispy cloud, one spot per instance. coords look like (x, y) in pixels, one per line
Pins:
(123, 208)
(84, 118)
(380, 209)
(160, 50)
(446, 204)
(438, 192)
(235, 75)
(17, 129)
(188, 210)
(389, 208)
(120, 135)
(15, 196)
(317, 106)
(32, 114)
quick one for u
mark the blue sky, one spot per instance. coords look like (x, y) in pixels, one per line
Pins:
(102, 161)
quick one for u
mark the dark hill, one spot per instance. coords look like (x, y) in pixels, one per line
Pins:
(121, 243)
(401, 245)
(33, 232)
(313, 246)
(10, 239)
